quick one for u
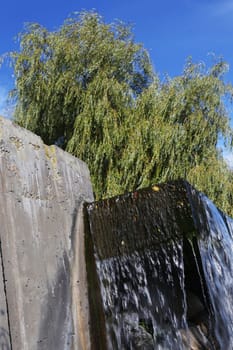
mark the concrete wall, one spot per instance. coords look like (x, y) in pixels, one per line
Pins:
(42, 270)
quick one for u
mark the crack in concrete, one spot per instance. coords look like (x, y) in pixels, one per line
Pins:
(5, 292)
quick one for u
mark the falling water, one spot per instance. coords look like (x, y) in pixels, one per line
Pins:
(142, 299)
(160, 271)
(216, 249)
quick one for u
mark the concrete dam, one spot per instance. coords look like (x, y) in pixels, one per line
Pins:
(151, 269)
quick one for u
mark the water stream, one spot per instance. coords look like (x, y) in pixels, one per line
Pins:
(143, 299)
(162, 273)
(216, 250)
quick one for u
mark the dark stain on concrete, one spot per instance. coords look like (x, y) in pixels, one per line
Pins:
(56, 329)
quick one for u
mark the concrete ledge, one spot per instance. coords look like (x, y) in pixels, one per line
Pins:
(42, 189)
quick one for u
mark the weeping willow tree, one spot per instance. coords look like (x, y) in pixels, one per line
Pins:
(91, 89)
(177, 126)
(86, 64)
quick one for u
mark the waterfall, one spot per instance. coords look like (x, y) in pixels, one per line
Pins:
(216, 249)
(159, 271)
(142, 298)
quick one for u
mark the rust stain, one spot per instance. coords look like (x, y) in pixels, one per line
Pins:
(155, 188)
(15, 140)
(35, 146)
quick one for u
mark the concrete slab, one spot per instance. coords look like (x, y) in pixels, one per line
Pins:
(42, 189)
(5, 341)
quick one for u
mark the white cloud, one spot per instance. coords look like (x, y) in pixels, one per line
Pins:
(3, 95)
(215, 9)
(228, 156)
(3, 99)
(221, 8)
(5, 109)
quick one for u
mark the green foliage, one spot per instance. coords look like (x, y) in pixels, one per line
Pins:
(91, 89)
(59, 73)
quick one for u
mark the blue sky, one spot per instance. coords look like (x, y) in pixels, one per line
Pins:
(170, 30)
